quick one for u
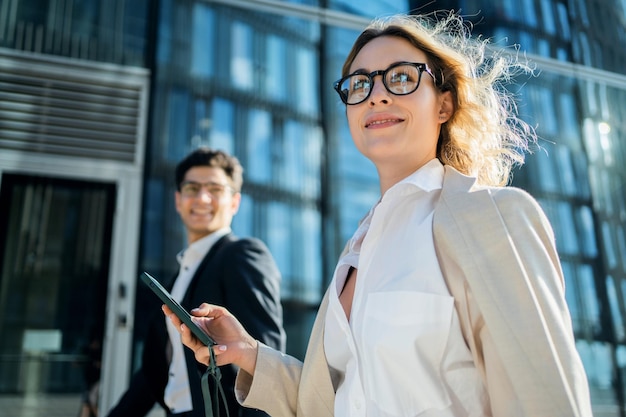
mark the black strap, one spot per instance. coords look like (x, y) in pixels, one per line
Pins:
(214, 371)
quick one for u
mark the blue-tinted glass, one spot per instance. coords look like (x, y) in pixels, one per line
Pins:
(564, 29)
(511, 9)
(135, 24)
(585, 49)
(164, 35)
(311, 145)
(373, 9)
(241, 62)
(620, 236)
(526, 41)
(301, 152)
(307, 82)
(613, 288)
(568, 239)
(308, 228)
(589, 297)
(242, 222)
(543, 47)
(202, 41)
(563, 158)
(594, 151)
(278, 221)
(530, 13)
(547, 117)
(259, 155)
(178, 132)
(548, 17)
(222, 125)
(568, 117)
(587, 231)
(546, 172)
(291, 169)
(610, 254)
(582, 11)
(201, 124)
(276, 78)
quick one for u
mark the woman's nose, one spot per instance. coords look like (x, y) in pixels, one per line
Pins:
(379, 92)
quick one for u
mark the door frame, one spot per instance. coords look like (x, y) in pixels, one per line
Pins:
(119, 322)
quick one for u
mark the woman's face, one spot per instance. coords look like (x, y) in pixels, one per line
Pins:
(397, 133)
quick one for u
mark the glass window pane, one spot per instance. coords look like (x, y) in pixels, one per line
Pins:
(276, 78)
(618, 323)
(259, 156)
(307, 82)
(241, 63)
(587, 231)
(202, 41)
(291, 161)
(222, 125)
(609, 246)
(565, 169)
(564, 30)
(201, 124)
(310, 251)
(279, 242)
(530, 13)
(311, 145)
(177, 128)
(548, 17)
(242, 222)
(568, 241)
(589, 297)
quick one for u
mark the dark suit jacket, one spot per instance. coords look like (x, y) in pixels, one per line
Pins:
(239, 274)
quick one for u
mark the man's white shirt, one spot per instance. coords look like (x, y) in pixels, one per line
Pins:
(177, 394)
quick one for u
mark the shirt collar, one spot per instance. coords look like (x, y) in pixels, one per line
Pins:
(427, 178)
(201, 247)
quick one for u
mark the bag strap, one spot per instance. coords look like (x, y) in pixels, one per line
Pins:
(213, 370)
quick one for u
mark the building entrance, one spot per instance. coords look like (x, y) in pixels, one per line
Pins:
(55, 248)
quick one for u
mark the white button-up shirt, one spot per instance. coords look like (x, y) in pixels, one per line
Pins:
(402, 353)
(177, 395)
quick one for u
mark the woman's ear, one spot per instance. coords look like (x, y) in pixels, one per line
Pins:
(446, 106)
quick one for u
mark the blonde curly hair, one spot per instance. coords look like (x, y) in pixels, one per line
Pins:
(485, 137)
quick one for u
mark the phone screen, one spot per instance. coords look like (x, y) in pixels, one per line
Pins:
(176, 308)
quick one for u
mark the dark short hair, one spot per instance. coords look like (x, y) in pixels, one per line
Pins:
(214, 158)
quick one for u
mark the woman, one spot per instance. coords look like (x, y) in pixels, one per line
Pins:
(449, 298)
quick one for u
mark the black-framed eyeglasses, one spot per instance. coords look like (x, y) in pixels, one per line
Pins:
(193, 189)
(399, 79)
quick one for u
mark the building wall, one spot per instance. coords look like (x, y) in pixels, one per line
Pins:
(254, 78)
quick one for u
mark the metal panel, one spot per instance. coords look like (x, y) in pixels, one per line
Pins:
(52, 105)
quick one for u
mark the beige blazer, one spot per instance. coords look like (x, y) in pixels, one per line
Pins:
(497, 253)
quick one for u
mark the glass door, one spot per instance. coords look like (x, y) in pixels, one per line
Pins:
(55, 244)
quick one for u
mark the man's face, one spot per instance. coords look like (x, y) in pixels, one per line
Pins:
(205, 202)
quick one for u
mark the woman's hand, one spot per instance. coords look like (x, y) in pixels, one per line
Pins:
(234, 344)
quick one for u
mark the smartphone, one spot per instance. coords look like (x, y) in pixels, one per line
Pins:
(177, 309)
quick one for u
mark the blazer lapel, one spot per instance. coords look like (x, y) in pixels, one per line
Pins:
(222, 242)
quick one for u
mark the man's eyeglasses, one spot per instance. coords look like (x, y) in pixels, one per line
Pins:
(400, 79)
(193, 188)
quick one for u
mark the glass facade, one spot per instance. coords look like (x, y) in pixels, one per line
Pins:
(255, 79)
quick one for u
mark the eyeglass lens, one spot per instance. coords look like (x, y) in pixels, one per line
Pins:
(398, 79)
(193, 189)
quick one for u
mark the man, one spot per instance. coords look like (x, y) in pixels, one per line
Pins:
(216, 267)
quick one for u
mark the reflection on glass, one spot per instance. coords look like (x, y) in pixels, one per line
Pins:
(276, 75)
(222, 125)
(241, 59)
(259, 154)
(202, 41)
